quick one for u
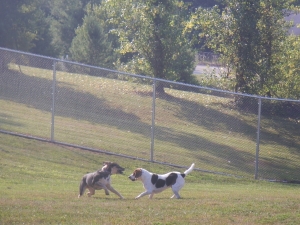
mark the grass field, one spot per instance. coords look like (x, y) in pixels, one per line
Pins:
(39, 185)
(39, 180)
(116, 115)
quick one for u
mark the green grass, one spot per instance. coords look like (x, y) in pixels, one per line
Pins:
(39, 180)
(39, 185)
(115, 115)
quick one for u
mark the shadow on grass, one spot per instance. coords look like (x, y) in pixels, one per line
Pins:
(37, 93)
(8, 120)
(209, 153)
(216, 120)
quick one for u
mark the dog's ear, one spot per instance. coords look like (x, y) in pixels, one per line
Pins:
(106, 165)
(137, 173)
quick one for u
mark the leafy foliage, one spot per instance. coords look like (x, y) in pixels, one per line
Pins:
(66, 16)
(19, 24)
(249, 35)
(154, 38)
(91, 44)
(151, 38)
(286, 80)
(203, 3)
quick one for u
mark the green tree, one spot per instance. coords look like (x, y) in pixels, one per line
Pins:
(42, 42)
(66, 16)
(19, 27)
(249, 35)
(242, 24)
(203, 3)
(151, 33)
(286, 80)
(273, 30)
(91, 44)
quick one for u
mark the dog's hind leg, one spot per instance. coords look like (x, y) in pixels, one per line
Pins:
(91, 191)
(176, 189)
(176, 194)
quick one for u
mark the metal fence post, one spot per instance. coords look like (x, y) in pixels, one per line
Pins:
(53, 100)
(153, 120)
(257, 139)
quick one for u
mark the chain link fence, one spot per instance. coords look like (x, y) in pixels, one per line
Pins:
(148, 119)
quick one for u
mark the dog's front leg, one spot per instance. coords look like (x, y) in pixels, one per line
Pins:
(109, 187)
(100, 186)
(151, 195)
(143, 194)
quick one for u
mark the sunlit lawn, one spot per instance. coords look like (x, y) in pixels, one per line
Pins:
(39, 180)
(39, 185)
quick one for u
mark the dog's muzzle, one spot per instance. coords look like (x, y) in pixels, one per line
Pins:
(120, 170)
(132, 178)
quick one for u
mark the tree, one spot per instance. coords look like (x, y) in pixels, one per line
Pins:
(286, 80)
(245, 43)
(203, 3)
(91, 44)
(151, 37)
(42, 42)
(19, 27)
(273, 30)
(66, 16)
(249, 35)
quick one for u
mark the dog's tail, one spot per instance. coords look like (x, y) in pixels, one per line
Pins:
(189, 169)
(82, 186)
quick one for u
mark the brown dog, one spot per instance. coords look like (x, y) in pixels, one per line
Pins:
(100, 180)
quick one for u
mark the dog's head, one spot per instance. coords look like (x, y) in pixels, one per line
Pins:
(137, 173)
(112, 168)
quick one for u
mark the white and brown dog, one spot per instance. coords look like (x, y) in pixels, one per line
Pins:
(155, 183)
(100, 180)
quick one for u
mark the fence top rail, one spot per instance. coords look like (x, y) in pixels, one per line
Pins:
(150, 78)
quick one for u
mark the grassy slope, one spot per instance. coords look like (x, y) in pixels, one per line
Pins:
(115, 115)
(39, 185)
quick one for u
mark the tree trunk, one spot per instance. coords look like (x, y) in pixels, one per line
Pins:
(159, 88)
